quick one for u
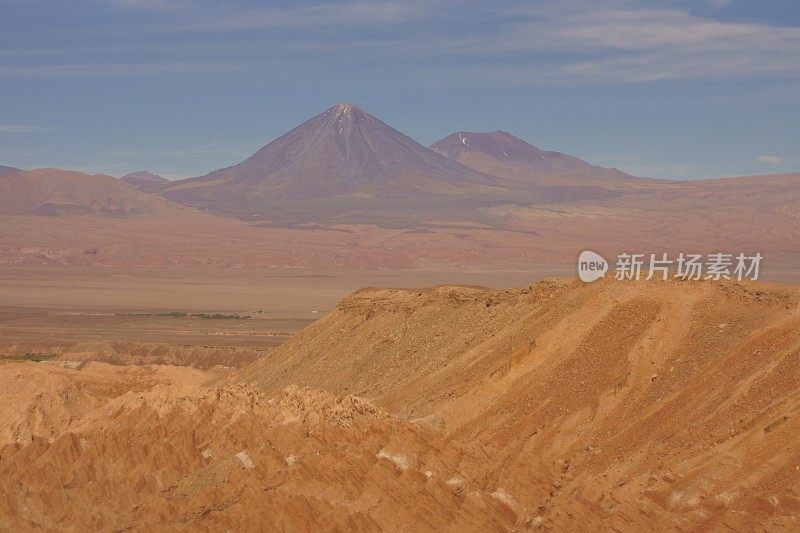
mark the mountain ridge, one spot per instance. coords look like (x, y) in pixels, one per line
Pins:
(345, 166)
(57, 192)
(504, 154)
(610, 405)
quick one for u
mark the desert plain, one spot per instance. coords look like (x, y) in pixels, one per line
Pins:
(133, 314)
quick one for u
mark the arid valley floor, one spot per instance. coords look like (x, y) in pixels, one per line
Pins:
(144, 314)
(163, 399)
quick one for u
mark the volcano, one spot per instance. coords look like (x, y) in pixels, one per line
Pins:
(502, 154)
(144, 180)
(344, 155)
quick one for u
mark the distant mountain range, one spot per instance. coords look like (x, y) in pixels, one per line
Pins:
(344, 188)
(344, 165)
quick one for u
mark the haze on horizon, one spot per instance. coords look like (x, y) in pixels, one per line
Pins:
(670, 89)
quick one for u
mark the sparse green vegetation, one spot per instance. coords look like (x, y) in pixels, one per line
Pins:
(35, 357)
(180, 314)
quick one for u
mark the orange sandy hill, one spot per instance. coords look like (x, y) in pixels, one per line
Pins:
(56, 192)
(633, 406)
(625, 405)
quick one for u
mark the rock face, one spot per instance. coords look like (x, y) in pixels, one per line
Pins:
(55, 192)
(502, 154)
(166, 454)
(144, 180)
(344, 155)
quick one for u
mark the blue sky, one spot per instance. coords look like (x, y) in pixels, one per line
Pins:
(674, 89)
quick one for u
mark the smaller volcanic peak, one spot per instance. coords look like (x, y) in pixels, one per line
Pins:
(7, 170)
(144, 180)
(503, 154)
(499, 144)
(143, 175)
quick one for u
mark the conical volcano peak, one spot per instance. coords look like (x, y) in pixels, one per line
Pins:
(342, 152)
(345, 109)
(344, 118)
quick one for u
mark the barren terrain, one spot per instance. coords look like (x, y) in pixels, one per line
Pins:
(625, 405)
(188, 316)
(761, 215)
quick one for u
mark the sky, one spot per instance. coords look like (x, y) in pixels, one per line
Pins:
(672, 89)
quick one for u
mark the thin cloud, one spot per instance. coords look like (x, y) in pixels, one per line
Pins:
(719, 4)
(21, 128)
(184, 152)
(356, 13)
(568, 42)
(631, 43)
(20, 152)
(82, 70)
(772, 160)
(155, 5)
(651, 165)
